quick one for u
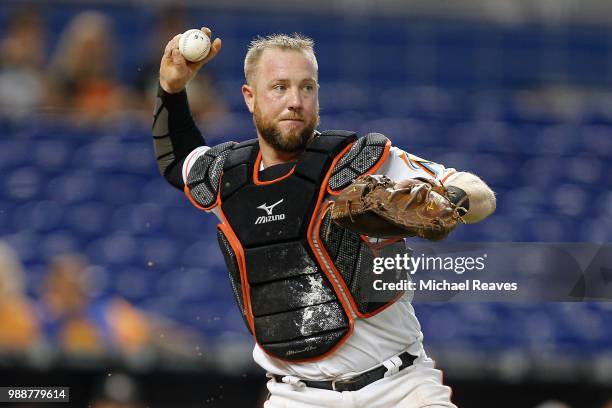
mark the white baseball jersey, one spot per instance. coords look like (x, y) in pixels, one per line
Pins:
(377, 338)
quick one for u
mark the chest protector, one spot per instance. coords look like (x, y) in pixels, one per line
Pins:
(299, 280)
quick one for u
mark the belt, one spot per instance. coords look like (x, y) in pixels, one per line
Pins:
(363, 379)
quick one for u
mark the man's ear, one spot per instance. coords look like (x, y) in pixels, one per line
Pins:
(247, 93)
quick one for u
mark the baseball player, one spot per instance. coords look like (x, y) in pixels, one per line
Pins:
(295, 274)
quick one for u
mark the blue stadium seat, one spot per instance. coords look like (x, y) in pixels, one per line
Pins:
(236, 127)
(157, 190)
(158, 250)
(596, 230)
(485, 136)
(134, 283)
(26, 243)
(402, 132)
(203, 253)
(538, 171)
(596, 139)
(139, 158)
(119, 187)
(570, 200)
(14, 152)
(555, 140)
(546, 228)
(87, 218)
(585, 168)
(344, 97)
(72, 186)
(57, 243)
(23, 183)
(114, 249)
(6, 216)
(99, 155)
(52, 154)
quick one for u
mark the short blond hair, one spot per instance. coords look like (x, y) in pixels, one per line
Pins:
(296, 41)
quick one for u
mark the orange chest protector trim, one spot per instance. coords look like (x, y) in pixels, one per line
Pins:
(295, 302)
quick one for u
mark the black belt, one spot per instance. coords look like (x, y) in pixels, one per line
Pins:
(358, 382)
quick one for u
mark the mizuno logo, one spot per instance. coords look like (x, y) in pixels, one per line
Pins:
(270, 217)
(269, 208)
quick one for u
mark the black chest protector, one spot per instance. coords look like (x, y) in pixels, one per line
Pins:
(294, 284)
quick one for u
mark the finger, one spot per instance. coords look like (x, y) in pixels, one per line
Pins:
(167, 50)
(177, 57)
(214, 49)
(173, 43)
(206, 31)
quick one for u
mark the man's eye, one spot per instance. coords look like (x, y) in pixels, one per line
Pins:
(308, 88)
(279, 87)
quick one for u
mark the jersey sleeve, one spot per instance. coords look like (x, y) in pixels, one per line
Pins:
(191, 159)
(401, 165)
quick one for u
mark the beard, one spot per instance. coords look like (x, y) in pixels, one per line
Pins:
(289, 141)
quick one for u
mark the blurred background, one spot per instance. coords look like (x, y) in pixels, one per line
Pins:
(112, 283)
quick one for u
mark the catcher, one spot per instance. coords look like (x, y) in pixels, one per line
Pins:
(296, 258)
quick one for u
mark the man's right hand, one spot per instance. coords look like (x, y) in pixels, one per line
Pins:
(175, 71)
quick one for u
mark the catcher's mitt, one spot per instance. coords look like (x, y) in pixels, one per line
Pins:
(373, 206)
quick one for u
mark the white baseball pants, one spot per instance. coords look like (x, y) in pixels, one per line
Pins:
(418, 386)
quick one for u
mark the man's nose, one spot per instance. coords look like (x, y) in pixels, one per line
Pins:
(295, 99)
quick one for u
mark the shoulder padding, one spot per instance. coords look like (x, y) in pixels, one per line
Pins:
(360, 158)
(203, 178)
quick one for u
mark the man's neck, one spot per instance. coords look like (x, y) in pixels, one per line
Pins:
(272, 157)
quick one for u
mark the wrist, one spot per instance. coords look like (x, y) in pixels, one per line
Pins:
(459, 197)
(169, 89)
(163, 93)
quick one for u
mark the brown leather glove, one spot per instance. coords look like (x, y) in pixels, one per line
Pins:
(373, 206)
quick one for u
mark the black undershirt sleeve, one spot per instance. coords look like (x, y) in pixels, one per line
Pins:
(175, 134)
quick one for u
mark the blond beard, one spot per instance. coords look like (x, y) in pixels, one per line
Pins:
(289, 142)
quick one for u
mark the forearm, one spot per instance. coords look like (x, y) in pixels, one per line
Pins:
(481, 198)
(175, 134)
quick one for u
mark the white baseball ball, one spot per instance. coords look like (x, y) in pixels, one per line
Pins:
(194, 45)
